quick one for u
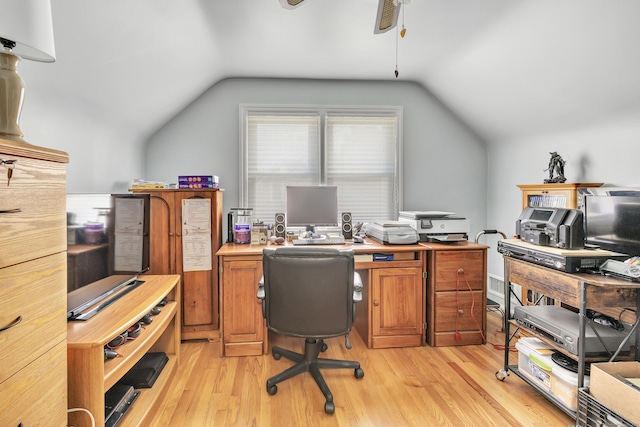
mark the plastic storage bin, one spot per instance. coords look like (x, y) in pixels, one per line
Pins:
(534, 361)
(564, 385)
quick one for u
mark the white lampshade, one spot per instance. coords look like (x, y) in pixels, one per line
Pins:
(28, 23)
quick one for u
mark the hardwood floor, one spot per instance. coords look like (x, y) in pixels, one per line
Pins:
(424, 386)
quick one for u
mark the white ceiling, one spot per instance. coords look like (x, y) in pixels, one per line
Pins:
(508, 68)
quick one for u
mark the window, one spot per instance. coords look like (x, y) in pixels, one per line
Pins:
(356, 149)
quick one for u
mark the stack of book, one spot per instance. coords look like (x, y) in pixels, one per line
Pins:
(198, 181)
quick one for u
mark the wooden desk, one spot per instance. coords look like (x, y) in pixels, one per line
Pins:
(90, 376)
(394, 310)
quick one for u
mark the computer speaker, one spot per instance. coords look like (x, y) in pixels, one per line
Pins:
(279, 228)
(347, 230)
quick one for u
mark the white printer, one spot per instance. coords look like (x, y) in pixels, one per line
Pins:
(391, 233)
(436, 226)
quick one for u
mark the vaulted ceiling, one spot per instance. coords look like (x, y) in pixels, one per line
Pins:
(508, 68)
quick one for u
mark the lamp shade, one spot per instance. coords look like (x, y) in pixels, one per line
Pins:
(28, 23)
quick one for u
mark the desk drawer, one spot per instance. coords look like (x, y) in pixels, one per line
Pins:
(37, 189)
(33, 396)
(36, 291)
(449, 263)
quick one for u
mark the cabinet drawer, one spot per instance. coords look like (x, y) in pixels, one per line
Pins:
(455, 268)
(38, 189)
(36, 291)
(451, 309)
(37, 395)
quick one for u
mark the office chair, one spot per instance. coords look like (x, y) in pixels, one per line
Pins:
(309, 292)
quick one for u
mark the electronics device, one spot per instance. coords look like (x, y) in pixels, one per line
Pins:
(562, 326)
(611, 221)
(621, 270)
(311, 206)
(392, 233)
(567, 260)
(436, 226)
(145, 372)
(117, 401)
(319, 241)
(347, 230)
(279, 227)
(556, 227)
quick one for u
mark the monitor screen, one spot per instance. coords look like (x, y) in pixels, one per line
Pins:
(310, 206)
(612, 223)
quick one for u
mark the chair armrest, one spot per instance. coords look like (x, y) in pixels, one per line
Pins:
(261, 288)
(357, 287)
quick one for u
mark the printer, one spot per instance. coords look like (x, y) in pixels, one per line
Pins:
(436, 226)
(555, 227)
(391, 233)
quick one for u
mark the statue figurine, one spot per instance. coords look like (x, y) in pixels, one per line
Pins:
(556, 165)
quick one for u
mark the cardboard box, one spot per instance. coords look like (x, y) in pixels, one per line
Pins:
(608, 387)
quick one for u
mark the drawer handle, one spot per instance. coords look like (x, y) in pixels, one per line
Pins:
(10, 210)
(11, 325)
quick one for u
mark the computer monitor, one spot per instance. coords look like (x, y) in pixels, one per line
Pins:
(311, 206)
(611, 222)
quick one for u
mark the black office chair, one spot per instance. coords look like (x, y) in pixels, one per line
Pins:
(309, 292)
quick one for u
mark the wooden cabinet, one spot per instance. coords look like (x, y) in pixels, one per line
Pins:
(456, 295)
(33, 289)
(244, 332)
(200, 291)
(90, 376)
(565, 195)
(396, 306)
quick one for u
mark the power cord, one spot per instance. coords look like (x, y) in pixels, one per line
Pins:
(473, 303)
(93, 420)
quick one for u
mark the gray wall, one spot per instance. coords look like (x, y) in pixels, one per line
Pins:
(604, 152)
(445, 165)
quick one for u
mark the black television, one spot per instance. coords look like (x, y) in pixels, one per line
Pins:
(612, 221)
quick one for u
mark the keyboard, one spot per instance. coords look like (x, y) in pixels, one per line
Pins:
(321, 241)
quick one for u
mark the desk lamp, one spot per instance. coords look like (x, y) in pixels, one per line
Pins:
(26, 32)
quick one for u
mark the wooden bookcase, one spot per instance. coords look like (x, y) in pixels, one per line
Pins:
(90, 375)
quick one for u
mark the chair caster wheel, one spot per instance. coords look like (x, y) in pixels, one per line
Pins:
(329, 408)
(358, 373)
(272, 389)
(276, 355)
(324, 347)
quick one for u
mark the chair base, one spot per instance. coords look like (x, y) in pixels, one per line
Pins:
(310, 362)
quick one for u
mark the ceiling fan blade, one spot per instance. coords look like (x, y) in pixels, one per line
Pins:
(387, 18)
(290, 4)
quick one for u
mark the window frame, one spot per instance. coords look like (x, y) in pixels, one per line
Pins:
(323, 111)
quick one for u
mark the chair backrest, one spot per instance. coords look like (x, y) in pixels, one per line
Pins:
(308, 291)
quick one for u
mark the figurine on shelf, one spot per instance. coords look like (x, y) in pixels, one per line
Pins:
(556, 164)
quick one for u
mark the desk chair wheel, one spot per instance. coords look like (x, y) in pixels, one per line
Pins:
(329, 408)
(272, 389)
(358, 373)
(275, 354)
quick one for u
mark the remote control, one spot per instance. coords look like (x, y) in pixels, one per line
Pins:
(621, 270)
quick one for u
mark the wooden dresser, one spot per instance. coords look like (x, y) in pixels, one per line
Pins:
(33, 286)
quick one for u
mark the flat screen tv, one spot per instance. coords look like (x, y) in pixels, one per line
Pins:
(612, 222)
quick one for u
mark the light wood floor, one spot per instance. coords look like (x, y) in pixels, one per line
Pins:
(425, 386)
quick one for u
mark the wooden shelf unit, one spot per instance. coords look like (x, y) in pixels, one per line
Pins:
(584, 291)
(90, 376)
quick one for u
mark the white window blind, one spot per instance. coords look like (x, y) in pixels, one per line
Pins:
(357, 150)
